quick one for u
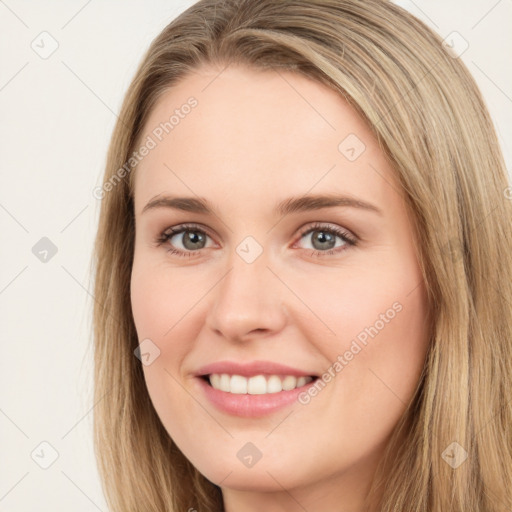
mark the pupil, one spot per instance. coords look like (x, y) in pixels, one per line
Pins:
(193, 237)
(324, 238)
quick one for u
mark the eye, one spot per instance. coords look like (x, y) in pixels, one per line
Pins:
(323, 239)
(191, 237)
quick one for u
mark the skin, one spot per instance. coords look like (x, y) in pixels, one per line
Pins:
(254, 139)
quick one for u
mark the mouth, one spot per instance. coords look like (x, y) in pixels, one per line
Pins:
(253, 396)
(256, 385)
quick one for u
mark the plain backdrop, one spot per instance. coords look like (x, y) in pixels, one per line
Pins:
(57, 114)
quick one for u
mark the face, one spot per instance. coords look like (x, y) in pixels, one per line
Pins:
(326, 286)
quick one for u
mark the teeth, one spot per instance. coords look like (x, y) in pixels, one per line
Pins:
(257, 385)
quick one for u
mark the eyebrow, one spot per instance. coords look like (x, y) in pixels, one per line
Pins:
(285, 207)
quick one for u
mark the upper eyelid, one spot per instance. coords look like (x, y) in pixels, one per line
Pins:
(321, 225)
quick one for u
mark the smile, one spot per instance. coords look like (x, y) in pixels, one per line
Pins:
(256, 385)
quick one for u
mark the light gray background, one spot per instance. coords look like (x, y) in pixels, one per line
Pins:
(57, 116)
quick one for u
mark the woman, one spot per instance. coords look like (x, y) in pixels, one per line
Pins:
(237, 368)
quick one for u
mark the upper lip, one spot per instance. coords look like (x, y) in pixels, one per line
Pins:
(251, 369)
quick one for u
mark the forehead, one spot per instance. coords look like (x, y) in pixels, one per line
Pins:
(264, 133)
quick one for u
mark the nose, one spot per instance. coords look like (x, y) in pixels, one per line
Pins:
(248, 301)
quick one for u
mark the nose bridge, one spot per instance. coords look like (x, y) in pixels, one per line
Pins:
(247, 298)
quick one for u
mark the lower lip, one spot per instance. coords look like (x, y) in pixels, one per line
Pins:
(247, 405)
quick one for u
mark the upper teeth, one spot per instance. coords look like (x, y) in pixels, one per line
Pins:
(257, 385)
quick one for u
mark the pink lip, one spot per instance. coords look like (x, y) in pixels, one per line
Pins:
(250, 405)
(251, 369)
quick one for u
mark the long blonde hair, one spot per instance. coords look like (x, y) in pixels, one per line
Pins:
(430, 119)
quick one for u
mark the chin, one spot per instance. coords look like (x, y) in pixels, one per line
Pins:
(261, 477)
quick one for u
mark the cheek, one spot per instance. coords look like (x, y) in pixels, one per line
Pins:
(377, 335)
(160, 299)
(166, 306)
(148, 299)
(159, 312)
(384, 353)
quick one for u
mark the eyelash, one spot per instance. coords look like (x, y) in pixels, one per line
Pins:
(168, 233)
